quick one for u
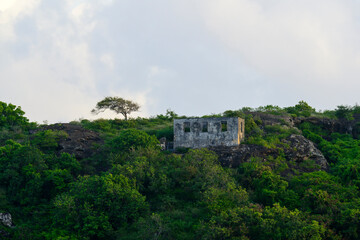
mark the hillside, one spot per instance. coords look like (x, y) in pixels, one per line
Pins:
(296, 176)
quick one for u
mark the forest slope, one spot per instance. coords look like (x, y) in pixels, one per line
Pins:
(296, 176)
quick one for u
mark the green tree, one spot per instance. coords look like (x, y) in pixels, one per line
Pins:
(304, 106)
(96, 206)
(255, 222)
(11, 115)
(344, 112)
(133, 139)
(21, 173)
(301, 109)
(116, 104)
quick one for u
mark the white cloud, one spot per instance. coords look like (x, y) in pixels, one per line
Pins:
(42, 93)
(58, 58)
(308, 41)
(83, 16)
(10, 12)
(107, 60)
(65, 49)
(55, 80)
(4, 5)
(157, 71)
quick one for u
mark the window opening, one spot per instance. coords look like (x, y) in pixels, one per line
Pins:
(241, 126)
(205, 127)
(186, 126)
(223, 126)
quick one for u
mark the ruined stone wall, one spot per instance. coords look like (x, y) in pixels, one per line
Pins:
(205, 132)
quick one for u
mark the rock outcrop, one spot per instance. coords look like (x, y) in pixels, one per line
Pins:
(233, 156)
(5, 219)
(301, 155)
(271, 119)
(302, 149)
(80, 142)
(334, 125)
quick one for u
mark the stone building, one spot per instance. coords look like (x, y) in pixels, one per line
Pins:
(205, 132)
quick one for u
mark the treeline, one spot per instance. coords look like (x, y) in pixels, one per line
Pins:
(129, 189)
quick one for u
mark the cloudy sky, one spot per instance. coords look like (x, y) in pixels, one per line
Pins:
(58, 58)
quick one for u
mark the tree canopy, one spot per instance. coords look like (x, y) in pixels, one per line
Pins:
(11, 115)
(116, 104)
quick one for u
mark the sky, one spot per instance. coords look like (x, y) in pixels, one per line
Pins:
(195, 57)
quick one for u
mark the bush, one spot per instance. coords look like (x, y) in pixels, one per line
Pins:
(344, 112)
(98, 206)
(132, 139)
(271, 109)
(48, 140)
(301, 109)
(231, 113)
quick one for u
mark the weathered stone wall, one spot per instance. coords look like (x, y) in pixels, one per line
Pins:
(205, 132)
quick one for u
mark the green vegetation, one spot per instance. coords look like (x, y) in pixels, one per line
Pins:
(129, 189)
(11, 115)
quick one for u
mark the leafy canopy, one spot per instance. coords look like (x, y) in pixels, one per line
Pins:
(116, 104)
(11, 115)
(131, 139)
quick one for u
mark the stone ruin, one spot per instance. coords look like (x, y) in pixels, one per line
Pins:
(208, 132)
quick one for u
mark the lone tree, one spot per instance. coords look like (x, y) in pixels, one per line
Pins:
(117, 104)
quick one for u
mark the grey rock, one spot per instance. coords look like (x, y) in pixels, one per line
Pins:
(6, 219)
(270, 119)
(234, 156)
(302, 149)
(80, 141)
(334, 125)
(301, 155)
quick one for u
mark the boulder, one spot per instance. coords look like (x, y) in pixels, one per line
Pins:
(302, 149)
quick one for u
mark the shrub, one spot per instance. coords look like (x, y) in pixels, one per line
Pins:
(132, 139)
(301, 109)
(231, 113)
(48, 140)
(344, 112)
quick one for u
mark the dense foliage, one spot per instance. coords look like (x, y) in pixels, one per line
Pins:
(129, 189)
(11, 115)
